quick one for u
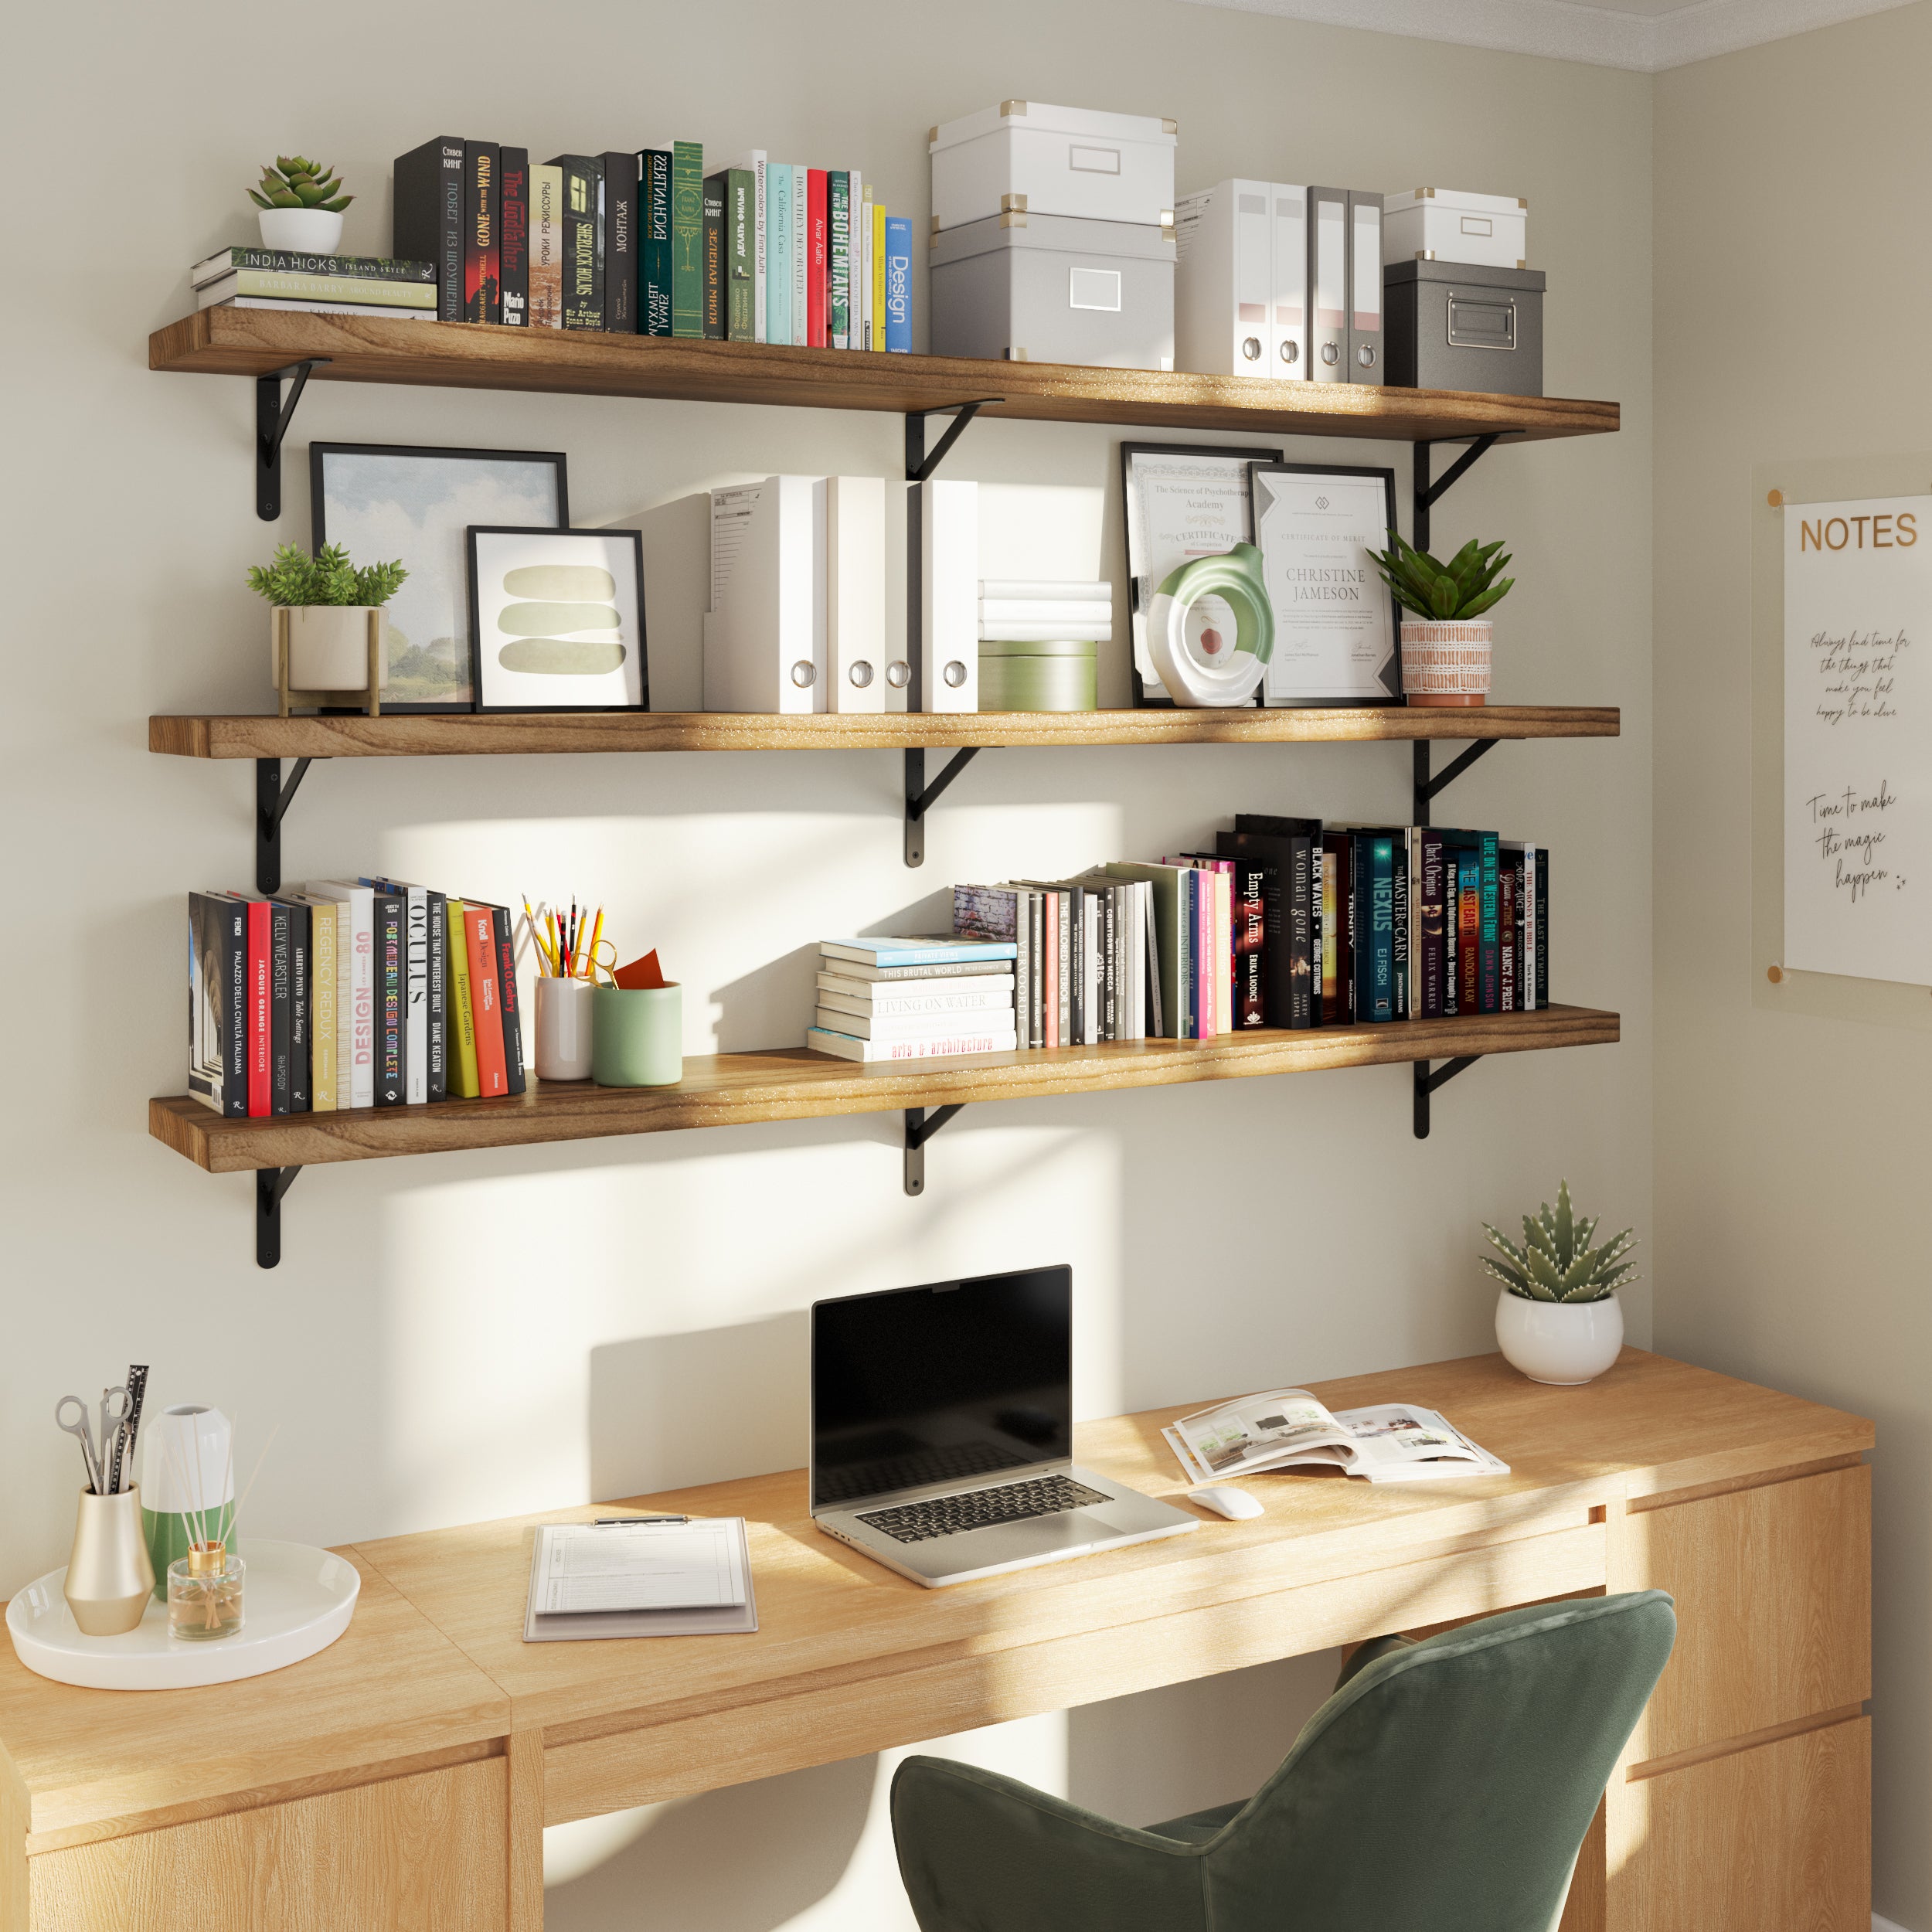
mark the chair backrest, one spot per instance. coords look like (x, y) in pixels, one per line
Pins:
(1449, 1783)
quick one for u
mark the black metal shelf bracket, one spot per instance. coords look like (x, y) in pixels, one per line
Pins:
(919, 465)
(272, 418)
(271, 1183)
(1428, 494)
(272, 799)
(919, 796)
(920, 1127)
(1426, 787)
(1427, 1082)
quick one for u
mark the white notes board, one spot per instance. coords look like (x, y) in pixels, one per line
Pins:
(1858, 738)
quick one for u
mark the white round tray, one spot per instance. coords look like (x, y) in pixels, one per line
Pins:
(297, 1599)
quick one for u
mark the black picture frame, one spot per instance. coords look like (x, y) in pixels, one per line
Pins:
(1247, 457)
(318, 455)
(1388, 476)
(633, 540)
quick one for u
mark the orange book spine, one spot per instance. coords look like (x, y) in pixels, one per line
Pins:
(486, 1000)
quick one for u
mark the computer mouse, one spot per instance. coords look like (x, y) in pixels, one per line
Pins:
(1237, 1504)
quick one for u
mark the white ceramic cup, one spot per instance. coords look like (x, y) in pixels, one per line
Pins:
(563, 1028)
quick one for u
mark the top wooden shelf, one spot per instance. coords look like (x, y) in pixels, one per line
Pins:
(363, 348)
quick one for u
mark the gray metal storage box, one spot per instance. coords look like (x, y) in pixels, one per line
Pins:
(1462, 325)
(1053, 288)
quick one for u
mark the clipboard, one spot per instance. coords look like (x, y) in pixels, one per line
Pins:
(728, 1620)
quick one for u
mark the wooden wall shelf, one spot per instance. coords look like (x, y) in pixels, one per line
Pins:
(470, 735)
(363, 349)
(789, 1083)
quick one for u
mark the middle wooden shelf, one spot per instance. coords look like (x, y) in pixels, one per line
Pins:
(790, 1083)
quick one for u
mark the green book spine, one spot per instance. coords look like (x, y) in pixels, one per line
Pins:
(653, 198)
(687, 239)
(838, 238)
(715, 190)
(741, 243)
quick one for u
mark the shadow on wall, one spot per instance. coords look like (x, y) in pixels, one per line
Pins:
(672, 1411)
(687, 1866)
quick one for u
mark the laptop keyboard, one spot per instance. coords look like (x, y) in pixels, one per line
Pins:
(918, 1522)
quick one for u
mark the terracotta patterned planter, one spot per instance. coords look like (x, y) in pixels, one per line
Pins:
(1445, 664)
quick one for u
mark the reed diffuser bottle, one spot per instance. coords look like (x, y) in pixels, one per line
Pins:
(205, 1593)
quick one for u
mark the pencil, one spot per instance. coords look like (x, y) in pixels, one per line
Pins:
(597, 932)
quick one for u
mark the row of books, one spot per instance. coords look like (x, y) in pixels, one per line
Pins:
(347, 993)
(916, 998)
(1287, 923)
(648, 242)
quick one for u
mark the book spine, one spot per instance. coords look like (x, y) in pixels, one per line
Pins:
(596, 168)
(899, 285)
(1492, 982)
(778, 277)
(1432, 924)
(760, 246)
(361, 913)
(653, 223)
(740, 238)
(548, 247)
(876, 314)
(847, 1047)
(1301, 941)
(392, 998)
(583, 307)
(618, 172)
(801, 255)
(260, 1052)
(482, 267)
(1451, 934)
(818, 261)
(1110, 990)
(278, 1014)
(284, 261)
(1507, 874)
(437, 1035)
(462, 1058)
(479, 939)
(513, 227)
(415, 991)
(505, 939)
(1330, 942)
(1542, 926)
(301, 1011)
(1050, 967)
(1357, 929)
(1254, 885)
(839, 258)
(1399, 923)
(234, 1010)
(428, 218)
(1469, 932)
(1035, 990)
(324, 973)
(1381, 989)
(687, 239)
(715, 189)
(1066, 952)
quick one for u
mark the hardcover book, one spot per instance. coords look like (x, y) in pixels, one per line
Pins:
(427, 223)
(288, 261)
(486, 1007)
(482, 267)
(839, 258)
(618, 231)
(817, 259)
(716, 188)
(687, 239)
(462, 1059)
(505, 933)
(741, 266)
(547, 246)
(654, 226)
(300, 1005)
(582, 257)
(899, 285)
(778, 276)
(283, 285)
(514, 228)
(218, 1001)
(391, 966)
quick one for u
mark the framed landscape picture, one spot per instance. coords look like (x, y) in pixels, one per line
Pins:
(380, 500)
(556, 619)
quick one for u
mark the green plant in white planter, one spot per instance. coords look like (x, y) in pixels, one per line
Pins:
(302, 204)
(1558, 1318)
(1446, 631)
(326, 625)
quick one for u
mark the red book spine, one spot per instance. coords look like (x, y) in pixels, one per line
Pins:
(260, 1100)
(1469, 942)
(817, 260)
(1209, 971)
(486, 1001)
(482, 259)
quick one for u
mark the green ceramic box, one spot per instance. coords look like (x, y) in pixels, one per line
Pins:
(1038, 677)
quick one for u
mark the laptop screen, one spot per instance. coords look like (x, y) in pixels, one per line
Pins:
(948, 1383)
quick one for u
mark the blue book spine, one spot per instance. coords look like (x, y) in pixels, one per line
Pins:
(777, 254)
(899, 285)
(1382, 931)
(1491, 953)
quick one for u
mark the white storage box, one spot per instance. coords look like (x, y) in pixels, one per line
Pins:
(1024, 157)
(1042, 288)
(1449, 225)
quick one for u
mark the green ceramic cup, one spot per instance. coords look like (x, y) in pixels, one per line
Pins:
(637, 1038)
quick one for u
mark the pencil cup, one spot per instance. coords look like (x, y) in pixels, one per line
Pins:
(188, 1479)
(564, 1007)
(109, 1576)
(639, 1036)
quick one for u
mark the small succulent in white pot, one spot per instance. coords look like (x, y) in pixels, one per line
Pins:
(302, 204)
(1558, 1318)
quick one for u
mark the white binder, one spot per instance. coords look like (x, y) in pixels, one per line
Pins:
(1290, 363)
(764, 635)
(855, 594)
(948, 658)
(1328, 285)
(1240, 282)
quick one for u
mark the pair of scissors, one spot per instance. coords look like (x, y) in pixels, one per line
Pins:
(116, 1405)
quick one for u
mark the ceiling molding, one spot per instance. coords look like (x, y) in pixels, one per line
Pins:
(1603, 36)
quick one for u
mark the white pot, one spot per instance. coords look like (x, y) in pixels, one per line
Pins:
(328, 645)
(302, 231)
(1563, 1343)
(1445, 664)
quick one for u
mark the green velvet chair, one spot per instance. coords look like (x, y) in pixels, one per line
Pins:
(1445, 1786)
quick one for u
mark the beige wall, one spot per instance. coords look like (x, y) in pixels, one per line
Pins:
(1793, 288)
(426, 1361)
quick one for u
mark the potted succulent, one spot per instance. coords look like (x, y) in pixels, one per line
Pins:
(302, 204)
(326, 625)
(1445, 637)
(1558, 1318)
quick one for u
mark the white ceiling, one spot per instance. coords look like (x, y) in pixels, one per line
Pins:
(1647, 36)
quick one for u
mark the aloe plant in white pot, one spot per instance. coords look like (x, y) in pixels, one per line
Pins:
(1558, 1318)
(302, 204)
(1446, 633)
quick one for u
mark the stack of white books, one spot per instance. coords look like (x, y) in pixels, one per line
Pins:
(913, 999)
(1021, 611)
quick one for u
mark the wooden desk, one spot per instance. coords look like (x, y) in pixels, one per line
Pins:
(402, 1779)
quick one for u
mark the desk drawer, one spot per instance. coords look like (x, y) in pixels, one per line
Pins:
(1773, 1605)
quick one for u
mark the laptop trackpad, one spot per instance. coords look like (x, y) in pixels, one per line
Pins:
(1071, 1529)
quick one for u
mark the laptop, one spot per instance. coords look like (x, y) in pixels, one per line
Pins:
(942, 1431)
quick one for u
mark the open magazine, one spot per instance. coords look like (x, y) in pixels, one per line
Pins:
(1289, 1429)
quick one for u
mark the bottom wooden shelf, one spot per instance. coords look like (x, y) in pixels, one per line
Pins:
(788, 1084)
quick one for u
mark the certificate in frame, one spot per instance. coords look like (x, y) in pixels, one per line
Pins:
(1335, 636)
(1182, 501)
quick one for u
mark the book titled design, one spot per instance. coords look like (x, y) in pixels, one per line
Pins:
(899, 285)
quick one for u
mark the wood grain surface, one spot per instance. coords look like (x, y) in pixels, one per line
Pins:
(470, 734)
(789, 1083)
(363, 349)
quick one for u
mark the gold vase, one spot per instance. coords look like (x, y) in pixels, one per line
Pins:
(110, 1577)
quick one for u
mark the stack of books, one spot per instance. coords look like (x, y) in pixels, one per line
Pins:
(322, 284)
(1019, 611)
(349, 993)
(651, 241)
(913, 999)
